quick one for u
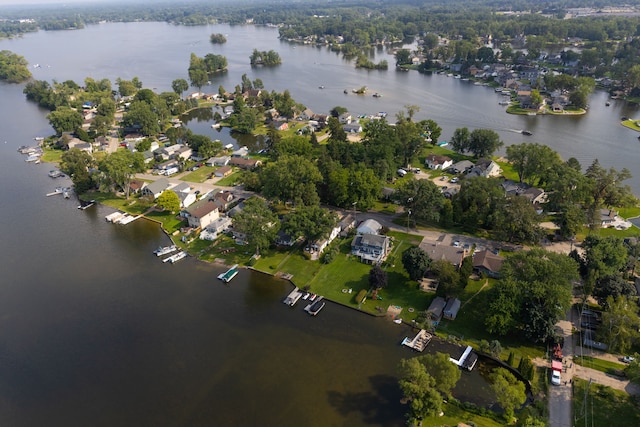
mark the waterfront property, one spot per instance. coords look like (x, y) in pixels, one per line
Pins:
(487, 263)
(370, 248)
(202, 213)
(419, 342)
(293, 297)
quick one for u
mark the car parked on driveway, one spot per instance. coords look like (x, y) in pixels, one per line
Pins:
(628, 359)
(555, 378)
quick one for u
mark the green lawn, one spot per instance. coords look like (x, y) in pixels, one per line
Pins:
(50, 155)
(170, 222)
(600, 365)
(200, 175)
(603, 406)
(454, 415)
(231, 180)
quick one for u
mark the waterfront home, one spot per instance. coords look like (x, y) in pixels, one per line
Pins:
(369, 226)
(370, 248)
(218, 161)
(436, 251)
(451, 309)
(345, 118)
(223, 171)
(321, 119)
(156, 188)
(243, 163)
(185, 193)
(436, 308)
(461, 166)
(353, 127)
(215, 228)
(80, 145)
(240, 152)
(321, 244)
(285, 239)
(202, 213)
(486, 168)
(305, 115)
(608, 217)
(438, 162)
(136, 185)
(487, 263)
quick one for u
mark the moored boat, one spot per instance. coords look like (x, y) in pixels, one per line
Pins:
(314, 308)
(164, 250)
(228, 275)
(175, 257)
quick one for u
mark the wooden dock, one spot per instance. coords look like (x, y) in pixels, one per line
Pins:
(467, 360)
(419, 342)
(293, 297)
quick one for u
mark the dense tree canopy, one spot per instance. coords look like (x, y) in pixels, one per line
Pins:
(258, 223)
(13, 68)
(416, 261)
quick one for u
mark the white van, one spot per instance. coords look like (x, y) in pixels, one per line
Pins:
(402, 172)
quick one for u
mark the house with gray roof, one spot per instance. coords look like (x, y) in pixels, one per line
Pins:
(370, 248)
(369, 226)
(487, 263)
(461, 166)
(202, 213)
(436, 252)
(156, 188)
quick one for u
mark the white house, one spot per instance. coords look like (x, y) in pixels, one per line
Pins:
(185, 193)
(201, 214)
(370, 226)
(156, 188)
(435, 161)
(321, 245)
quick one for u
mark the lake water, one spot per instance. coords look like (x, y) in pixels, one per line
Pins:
(94, 330)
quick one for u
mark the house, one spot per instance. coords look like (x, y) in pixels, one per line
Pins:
(156, 188)
(223, 200)
(486, 168)
(461, 166)
(202, 213)
(136, 185)
(223, 171)
(435, 161)
(320, 245)
(608, 217)
(185, 193)
(436, 308)
(353, 127)
(217, 226)
(218, 161)
(436, 252)
(80, 145)
(167, 165)
(346, 224)
(369, 226)
(387, 193)
(241, 152)
(535, 195)
(305, 115)
(451, 309)
(487, 263)
(184, 152)
(285, 239)
(280, 124)
(243, 163)
(345, 118)
(370, 248)
(170, 151)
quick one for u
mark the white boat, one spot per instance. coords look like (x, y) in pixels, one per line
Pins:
(175, 257)
(228, 275)
(164, 250)
(33, 158)
(215, 125)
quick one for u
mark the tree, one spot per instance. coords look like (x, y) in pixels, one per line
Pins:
(612, 286)
(377, 277)
(13, 68)
(336, 131)
(258, 223)
(291, 179)
(217, 38)
(477, 202)
(168, 201)
(126, 87)
(76, 164)
(532, 161)
(604, 256)
(484, 142)
(310, 222)
(460, 140)
(448, 278)
(65, 119)
(209, 148)
(632, 370)
(403, 56)
(606, 189)
(179, 86)
(119, 168)
(518, 221)
(142, 116)
(466, 270)
(510, 392)
(421, 197)
(418, 388)
(620, 326)
(416, 261)
(495, 348)
(445, 373)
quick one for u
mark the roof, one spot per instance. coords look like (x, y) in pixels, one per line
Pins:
(488, 260)
(223, 170)
(242, 162)
(158, 186)
(437, 159)
(436, 307)
(370, 226)
(451, 308)
(436, 252)
(201, 209)
(372, 240)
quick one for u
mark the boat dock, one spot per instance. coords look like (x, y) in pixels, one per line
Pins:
(120, 218)
(467, 360)
(293, 297)
(315, 307)
(419, 342)
(227, 276)
(175, 257)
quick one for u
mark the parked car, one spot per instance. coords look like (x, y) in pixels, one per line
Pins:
(454, 179)
(555, 378)
(628, 359)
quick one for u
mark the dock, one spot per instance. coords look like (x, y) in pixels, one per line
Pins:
(227, 276)
(467, 360)
(315, 307)
(293, 297)
(419, 342)
(120, 218)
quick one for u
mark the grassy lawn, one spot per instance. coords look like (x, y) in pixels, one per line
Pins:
(50, 155)
(170, 222)
(200, 175)
(454, 415)
(630, 212)
(231, 180)
(604, 406)
(133, 205)
(385, 207)
(631, 124)
(600, 365)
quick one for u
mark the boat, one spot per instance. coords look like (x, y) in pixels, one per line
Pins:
(33, 158)
(228, 275)
(531, 114)
(320, 87)
(85, 205)
(526, 132)
(293, 297)
(346, 91)
(39, 138)
(175, 257)
(55, 173)
(377, 95)
(504, 102)
(607, 103)
(164, 250)
(443, 144)
(216, 126)
(314, 308)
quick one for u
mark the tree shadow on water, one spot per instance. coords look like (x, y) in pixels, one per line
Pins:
(378, 407)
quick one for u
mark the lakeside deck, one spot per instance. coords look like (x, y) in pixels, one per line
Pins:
(419, 342)
(293, 297)
(467, 360)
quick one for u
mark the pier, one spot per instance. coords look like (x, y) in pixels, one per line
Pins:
(419, 342)
(467, 360)
(293, 297)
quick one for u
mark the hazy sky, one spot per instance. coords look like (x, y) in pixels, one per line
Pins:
(20, 2)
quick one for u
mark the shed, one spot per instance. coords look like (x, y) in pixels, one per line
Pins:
(451, 309)
(436, 308)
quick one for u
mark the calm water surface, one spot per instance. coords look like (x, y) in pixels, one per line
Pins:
(94, 330)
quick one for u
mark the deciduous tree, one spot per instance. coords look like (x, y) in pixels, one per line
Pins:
(259, 223)
(417, 262)
(168, 201)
